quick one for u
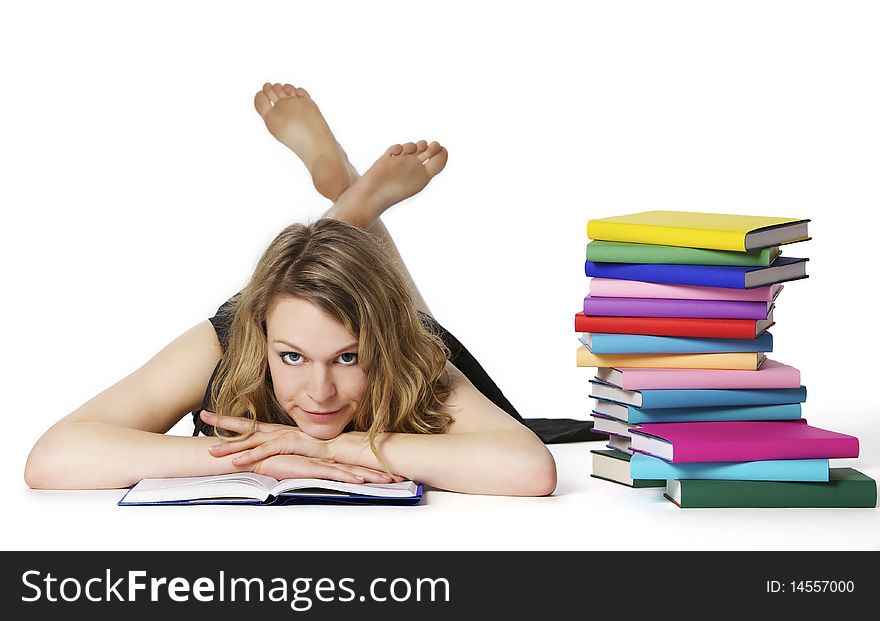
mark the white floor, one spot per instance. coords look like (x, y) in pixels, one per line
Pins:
(142, 188)
(584, 514)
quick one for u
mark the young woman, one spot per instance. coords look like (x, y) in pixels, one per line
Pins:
(328, 364)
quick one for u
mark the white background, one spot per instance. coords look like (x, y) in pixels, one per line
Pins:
(139, 188)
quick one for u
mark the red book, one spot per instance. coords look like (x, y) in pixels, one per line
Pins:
(674, 326)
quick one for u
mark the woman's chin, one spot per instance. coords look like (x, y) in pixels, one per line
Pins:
(323, 433)
(318, 431)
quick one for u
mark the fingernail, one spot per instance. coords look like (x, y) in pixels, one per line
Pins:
(214, 448)
(236, 460)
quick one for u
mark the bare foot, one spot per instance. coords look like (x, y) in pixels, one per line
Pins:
(401, 172)
(294, 119)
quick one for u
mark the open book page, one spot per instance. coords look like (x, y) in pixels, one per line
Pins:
(403, 489)
(233, 485)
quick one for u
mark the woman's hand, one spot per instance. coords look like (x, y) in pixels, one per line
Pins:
(299, 467)
(268, 439)
(284, 451)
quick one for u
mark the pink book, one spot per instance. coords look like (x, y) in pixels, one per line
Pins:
(772, 374)
(741, 441)
(615, 288)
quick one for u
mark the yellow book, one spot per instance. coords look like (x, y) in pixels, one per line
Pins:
(747, 361)
(691, 229)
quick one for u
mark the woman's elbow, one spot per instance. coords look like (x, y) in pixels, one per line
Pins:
(537, 473)
(36, 470)
(544, 475)
(45, 468)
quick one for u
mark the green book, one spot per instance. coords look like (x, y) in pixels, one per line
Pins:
(846, 487)
(613, 465)
(623, 252)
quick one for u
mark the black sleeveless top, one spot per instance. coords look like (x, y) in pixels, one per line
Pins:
(550, 430)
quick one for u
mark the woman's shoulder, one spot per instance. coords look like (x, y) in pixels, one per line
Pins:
(222, 320)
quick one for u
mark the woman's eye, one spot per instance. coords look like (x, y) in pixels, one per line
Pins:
(348, 358)
(295, 358)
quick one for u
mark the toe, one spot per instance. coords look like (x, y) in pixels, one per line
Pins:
(438, 162)
(279, 90)
(394, 149)
(261, 103)
(433, 149)
(409, 148)
(270, 93)
(421, 146)
(290, 90)
(302, 92)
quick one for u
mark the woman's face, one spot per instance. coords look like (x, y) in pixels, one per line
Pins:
(313, 360)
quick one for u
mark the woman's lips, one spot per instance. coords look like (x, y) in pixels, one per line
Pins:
(321, 415)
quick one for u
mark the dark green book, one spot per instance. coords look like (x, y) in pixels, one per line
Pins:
(846, 488)
(622, 252)
(613, 465)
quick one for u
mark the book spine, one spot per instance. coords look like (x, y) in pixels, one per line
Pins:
(744, 361)
(786, 411)
(646, 344)
(698, 275)
(665, 235)
(646, 467)
(777, 494)
(827, 448)
(612, 287)
(667, 326)
(658, 307)
(622, 252)
(662, 399)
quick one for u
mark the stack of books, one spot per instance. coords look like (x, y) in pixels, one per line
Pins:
(676, 321)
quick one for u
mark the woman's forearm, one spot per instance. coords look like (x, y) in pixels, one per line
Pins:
(92, 455)
(487, 462)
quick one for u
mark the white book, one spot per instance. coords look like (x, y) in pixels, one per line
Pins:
(612, 426)
(619, 443)
(244, 487)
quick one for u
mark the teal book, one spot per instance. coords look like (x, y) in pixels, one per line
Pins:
(646, 467)
(625, 252)
(635, 416)
(599, 343)
(846, 488)
(691, 398)
(613, 465)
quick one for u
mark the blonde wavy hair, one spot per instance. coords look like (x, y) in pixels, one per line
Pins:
(347, 273)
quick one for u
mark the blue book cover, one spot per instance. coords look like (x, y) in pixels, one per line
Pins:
(646, 344)
(636, 416)
(703, 397)
(643, 466)
(727, 276)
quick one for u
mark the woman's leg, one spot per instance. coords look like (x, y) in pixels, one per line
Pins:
(402, 171)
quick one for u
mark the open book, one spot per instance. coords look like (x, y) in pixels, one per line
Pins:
(259, 489)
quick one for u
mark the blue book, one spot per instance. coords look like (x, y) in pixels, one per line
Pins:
(703, 397)
(782, 269)
(635, 416)
(643, 466)
(645, 344)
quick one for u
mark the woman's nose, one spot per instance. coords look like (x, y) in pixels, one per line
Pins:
(321, 386)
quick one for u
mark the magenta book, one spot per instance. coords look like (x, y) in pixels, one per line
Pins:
(741, 441)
